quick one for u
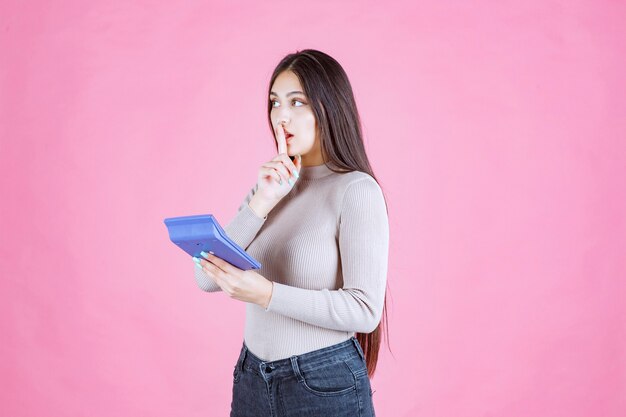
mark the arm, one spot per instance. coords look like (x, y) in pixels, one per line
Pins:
(246, 225)
(242, 230)
(364, 247)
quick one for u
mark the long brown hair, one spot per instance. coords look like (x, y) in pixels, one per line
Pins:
(338, 125)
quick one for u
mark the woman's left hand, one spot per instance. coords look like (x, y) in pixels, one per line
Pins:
(243, 285)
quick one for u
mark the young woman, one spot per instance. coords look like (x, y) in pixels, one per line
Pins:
(317, 221)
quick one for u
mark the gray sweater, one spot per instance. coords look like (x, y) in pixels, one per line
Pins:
(325, 246)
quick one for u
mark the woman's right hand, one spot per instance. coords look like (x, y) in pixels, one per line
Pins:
(274, 175)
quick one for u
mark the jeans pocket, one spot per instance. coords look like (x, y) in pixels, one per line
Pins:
(329, 380)
(237, 371)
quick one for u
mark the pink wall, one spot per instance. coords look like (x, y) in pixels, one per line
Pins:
(497, 130)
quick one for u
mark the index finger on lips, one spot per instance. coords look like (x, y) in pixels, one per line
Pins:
(280, 138)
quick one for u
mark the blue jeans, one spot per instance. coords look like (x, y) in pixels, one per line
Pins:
(329, 382)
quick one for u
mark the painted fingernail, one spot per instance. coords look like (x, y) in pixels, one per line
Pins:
(196, 260)
(280, 181)
(199, 266)
(289, 181)
(203, 253)
(296, 173)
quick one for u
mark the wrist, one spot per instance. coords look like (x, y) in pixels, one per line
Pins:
(268, 296)
(260, 207)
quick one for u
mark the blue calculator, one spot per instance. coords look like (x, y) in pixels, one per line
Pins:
(202, 232)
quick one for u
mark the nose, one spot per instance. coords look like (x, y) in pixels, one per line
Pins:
(284, 124)
(283, 117)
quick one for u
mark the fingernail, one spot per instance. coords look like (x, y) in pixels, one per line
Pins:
(199, 266)
(196, 260)
(289, 181)
(204, 254)
(296, 174)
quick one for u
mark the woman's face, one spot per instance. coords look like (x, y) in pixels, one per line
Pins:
(291, 109)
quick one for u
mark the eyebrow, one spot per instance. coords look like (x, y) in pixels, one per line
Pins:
(288, 94)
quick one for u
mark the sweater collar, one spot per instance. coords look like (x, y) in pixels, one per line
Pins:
(315, 171)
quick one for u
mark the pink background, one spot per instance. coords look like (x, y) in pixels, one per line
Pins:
(497, 130)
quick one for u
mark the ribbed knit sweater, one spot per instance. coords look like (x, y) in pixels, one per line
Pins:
(325, 247)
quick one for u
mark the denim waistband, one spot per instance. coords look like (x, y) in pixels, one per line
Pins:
(305, 362)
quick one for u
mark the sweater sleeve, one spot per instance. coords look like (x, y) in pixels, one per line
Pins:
(242, 230)
(363, 247)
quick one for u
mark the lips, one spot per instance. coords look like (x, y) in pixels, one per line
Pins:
(287, 134)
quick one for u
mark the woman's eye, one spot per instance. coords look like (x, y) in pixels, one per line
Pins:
(302, 103)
